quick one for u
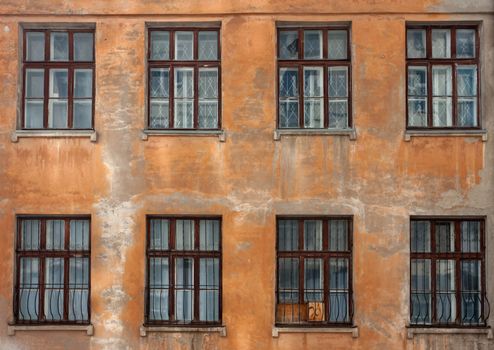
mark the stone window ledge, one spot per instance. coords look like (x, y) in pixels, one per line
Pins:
(17, 134)
(351, 133)
(195, 132)
(89, 329)
(412, 331)
(144, 330)
(277, 330)
(446, 133)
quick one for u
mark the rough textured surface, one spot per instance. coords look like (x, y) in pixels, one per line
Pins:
(249, 179)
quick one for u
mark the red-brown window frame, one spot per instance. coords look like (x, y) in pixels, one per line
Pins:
(46, 65)
(325, 63)
(457, 256)
(325, 254)
(172, 254)
(453, 62)
(42, 254)
(171, 64)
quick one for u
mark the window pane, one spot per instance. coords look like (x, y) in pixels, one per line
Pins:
(445, 291)
(313, 109)
(158, 288)
(209, 235)
(30, 234)
(83, 112)
(159, 113)
(471, 297)
(337, 44)
(184, 82)
(55, 234)
(58, 83)
(208, 95)
(79, 235)
(184, 46)
(159, 230)
(78, 289)
(417, 81)
(83, 46)
(420, 236)
(313, 280)
(338, 290)
(54, 271)
(338, 81)
(465, 43)
(35, 83)
(184, 235)
(184, 289)
(312, 235)
(35, 46)
(313, 82)
(160, 45)
(160, 82)
(417, 96)
(470, 236)
(467, 80)
(313, 106)
(416, 43)
(441, 43)
(208, 114)
(288, 280)
(288, 82)
(184, 114)
(34, 114)
(287, 235)
(83, 83)
(288, 113)
(445, 237)
(209, 290)
(57, 113)
(59, 46)
(338, 92)
(208, 46)
(338, 235)
(28, 289)
(288, 45)
(312, 44)
(208, 83)
(184, 94)
(420, 312)
(442, 92)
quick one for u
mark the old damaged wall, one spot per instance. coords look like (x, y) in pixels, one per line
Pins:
(249, 179)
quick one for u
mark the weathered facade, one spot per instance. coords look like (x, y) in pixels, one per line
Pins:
(380, 178)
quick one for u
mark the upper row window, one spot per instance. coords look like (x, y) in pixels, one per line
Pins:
(58, 75)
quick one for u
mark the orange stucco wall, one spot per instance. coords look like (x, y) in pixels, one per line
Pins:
(379, 178)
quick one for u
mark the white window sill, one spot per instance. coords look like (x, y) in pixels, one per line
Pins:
(17, 134)
(277, 330)
(411, 331)
(89, 329)
(351, 133)
(445, 133)
(144, 330)
(193, 132)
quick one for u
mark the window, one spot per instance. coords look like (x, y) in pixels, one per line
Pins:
(53, 269)
(447, 272)
(442, 80)
(184, 85)
(314, 271)
(314, 77)
(58, 79)
(183, 271)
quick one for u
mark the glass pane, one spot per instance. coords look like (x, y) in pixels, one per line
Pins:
(57, 114)
(208, 46)
(158, 288)
(441, 43)
(420, 236)
(420, 312)
(209, 290)
(442, 104)
(35, 83)
(159, 113)
(446, 291)
(338, 81)
(338, 235)
(209, 235)
(313, 107)
(288, 114)
(312, 44)
(54, 271)
(471, 296)
(313, 280)
(208, 114)
(28, 289)
(337, 44)
(208, 83)
(30, 234)
(59, 46)
(287, 235)
(338, 290)
(78, 289)
(417, 81)
(466, 77)
(288, 280)
(313, 235)
(83, 83)
(288, 82)
(160, 229)
(83, 46)
(470, 236)
(441, 81)
(160, 45)
(313, 113)
(465, 43)
(184, 88)
(445, 237)
(184, 46)
(288, 45)
(184, 235)
(160, 82)
(184, 114)
(184, 289)
(35, 46)
(313, 82)
(55, 234)
(83, 113)
(184, 82)
(416, 43)
(79, 235)
(441, 110)
(417, 111)
(34, 114)
(59, 83)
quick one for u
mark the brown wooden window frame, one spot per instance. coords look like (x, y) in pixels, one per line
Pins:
(172, 254)
(196, 64)
(458, 257)
(428, 62)
(325, 254)
(42, 254)
(71, 65)
(325, 63)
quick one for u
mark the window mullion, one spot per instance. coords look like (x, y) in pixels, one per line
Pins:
(171, 290)
(171, 93)
(301, 96)
(454, 96)
(325, 94)
(196, 289)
